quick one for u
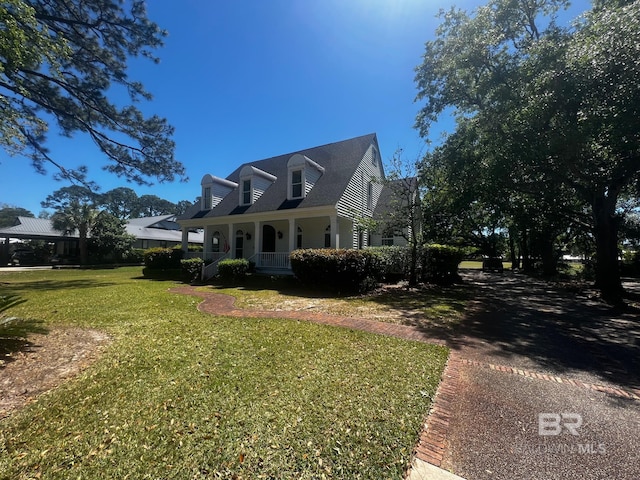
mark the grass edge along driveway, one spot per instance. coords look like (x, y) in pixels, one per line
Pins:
(181, 394)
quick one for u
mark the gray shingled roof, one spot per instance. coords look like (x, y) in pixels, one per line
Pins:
(339, 159)
(389, 199)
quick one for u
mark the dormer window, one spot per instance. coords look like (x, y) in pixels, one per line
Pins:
(214, 189)
(253, 183)
(207, 198)
(246, 192)
(296, 184)
(303, 175)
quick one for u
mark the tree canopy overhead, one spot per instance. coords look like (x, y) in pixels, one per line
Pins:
(59, 61)
(545, 114)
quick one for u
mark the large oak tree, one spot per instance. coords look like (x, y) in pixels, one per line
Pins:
(554, 111)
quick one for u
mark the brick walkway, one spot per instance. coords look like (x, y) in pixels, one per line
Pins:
(433, 438)
(219, 304)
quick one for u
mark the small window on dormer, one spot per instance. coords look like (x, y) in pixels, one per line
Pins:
(207, 198)
(296, 184)
(246, 192)
(374, 156)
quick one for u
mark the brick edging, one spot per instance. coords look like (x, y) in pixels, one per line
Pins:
(630, 393)
(433, 437)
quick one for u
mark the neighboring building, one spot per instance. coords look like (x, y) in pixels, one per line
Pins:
(313, 198)
(162, 231)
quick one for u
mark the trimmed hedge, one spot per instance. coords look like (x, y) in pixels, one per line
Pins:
(395, 262)
(162, 258)
(233, 270)
(440, 263)
(344, 271)
(191, 269)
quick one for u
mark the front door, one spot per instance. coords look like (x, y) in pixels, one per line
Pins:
(268, 239)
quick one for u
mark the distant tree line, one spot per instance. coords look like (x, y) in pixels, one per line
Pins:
(98, 218)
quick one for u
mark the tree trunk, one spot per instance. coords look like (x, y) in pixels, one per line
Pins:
(606, 233)
(549, 260)
(515, 257)
(82, 246)
(527, 264)
(413, 266)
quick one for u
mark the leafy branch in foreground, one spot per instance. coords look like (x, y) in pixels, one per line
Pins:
(58, 61)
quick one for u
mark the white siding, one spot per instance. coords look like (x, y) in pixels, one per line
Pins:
(311, 176)
(259, 185)
(218, 192)
(354, 199)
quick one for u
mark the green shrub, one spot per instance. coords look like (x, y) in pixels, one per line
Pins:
(233, 270)
(440, 263)
(344, 271)
(191, 269)
(135, 255)
(395, 262)
(162, 258)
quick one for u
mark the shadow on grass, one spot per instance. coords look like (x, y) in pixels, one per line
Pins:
(284, 285)
(49, 285)
(14, 332)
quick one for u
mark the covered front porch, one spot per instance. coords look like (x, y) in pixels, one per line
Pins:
(267, 242)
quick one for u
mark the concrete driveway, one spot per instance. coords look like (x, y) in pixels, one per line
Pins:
(542, 383)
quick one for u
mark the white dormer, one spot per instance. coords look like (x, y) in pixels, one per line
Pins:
(303, 173)
(214, 189)
(253, 183)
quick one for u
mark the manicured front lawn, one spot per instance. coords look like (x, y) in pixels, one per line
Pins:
(427, 307)
(181, 394)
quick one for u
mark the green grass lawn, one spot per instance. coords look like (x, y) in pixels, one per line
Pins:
(181, 394)
(431, 308)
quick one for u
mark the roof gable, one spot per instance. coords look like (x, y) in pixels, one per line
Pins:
(339, 161)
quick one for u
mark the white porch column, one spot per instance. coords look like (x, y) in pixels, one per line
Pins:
(257, 249)
(292, 234)
(185, 239)
(335, 232)
(231, 240)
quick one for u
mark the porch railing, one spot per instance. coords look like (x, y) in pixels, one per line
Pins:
(276, 260)
(211, 270)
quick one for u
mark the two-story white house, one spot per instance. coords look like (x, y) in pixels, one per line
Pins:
(313, 198)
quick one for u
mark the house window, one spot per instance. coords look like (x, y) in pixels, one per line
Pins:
(215, 242)
(207, 198)
(296, 184)
(246, 192)
(387, 241)
(299, 238)
(370, 196)
(374, 156)
(327, 237)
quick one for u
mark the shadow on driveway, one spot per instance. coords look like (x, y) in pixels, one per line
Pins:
(528, 323)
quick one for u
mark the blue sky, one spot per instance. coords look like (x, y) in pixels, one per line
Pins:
(243, 80)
